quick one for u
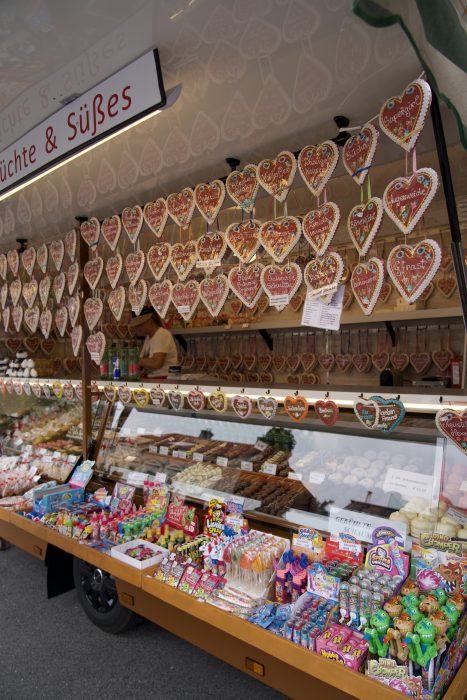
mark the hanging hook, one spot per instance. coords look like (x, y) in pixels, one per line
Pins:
(242, 391)
(268, 391)
(326, 395)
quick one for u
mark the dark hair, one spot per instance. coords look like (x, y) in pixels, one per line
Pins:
(154, 315)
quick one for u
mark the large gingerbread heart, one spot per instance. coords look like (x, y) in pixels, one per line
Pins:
(453, 425)
(391, 413)
(44, 290)
(213, 292)
(17, 317)
(111, 229)
(30, 292)
(210, 248)
(359, 151)
(132, 221)
(73, 304)
(185, 298)
(242, 405)
(116, 302)
(42, 257)
(296, 407)
(276, 175)
(366, 281)
(31, 319)
(15, 291)
(13, 261)
(28, 259)
(281, 283)
(90, 231)
(183, 258)
(158, 258)
(420, 361)
(155, 215)
(61, 319)
(363, 223)
(245, 282)
(160, 294)
(402, 118)
(46, 322)
(323, 275)
(113, 269)
(181, 206)
(196, 400)
(327, 411)
(209, 198)
(267, 406)
(279, 237)
(406, 199)
(76, 338)
(320, 225)
(71, 240)
(412, 268)
(316, 165)
(137, 295)
(92, 272)
(243, 239)
(367, 412)
(59, 286)
(3, 266)
(72, 275)
(95, 344)
(134, 265)
(242, 186)
(93, 309)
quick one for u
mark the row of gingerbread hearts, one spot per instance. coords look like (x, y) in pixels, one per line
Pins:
(67, 390)
(30, 256)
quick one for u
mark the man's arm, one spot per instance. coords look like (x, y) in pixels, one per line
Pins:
(154, 362)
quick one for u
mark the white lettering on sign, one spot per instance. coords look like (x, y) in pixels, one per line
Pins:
(408, 484)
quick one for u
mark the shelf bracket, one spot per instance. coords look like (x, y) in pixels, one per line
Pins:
(390, 330)
(267, 337)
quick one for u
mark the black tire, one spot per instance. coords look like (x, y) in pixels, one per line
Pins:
(97, 594)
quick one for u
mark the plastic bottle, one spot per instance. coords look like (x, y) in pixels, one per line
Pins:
(115, 363)
(124, 361)
(104, 366)
(133, 362)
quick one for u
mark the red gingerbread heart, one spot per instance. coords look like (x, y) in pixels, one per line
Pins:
(3, 266)
(412, 268)
(42, 257)
(92, 272)
(93, 309)
(160, 294)
(279, 362)
(281, 283)
(113, 269)
(71, 241)
(402, 118)
(4, 295)
(361, 361)
(442, 358)
(59, 286)
(366, 281)
(15, 291)
(308, 360)
(96, 344)
(44, 290)
(72, 275)
(76, 338)
(213, 292)
(17, 317)
(137, 295)
(380, 360)
(28, 259)
(276, 175)
(245, 282)
(386, 291)
(320, 225)
(13, 261)
(31, 319)
(32, 344)
(242, 405)
(279, 237)
(210, 247)
(243, 239)
(116, 302)
(13, 344)
(183, 258)
(420, 361)
(132, 221)
(30, 290)
(367, 412)
(323, 275)
(359, 151)
(111, 229)
(209, 198)
(181, 206)
(196, 400)
(185, 298)
(6, 319)
(90, 231)
(363, 223)
(343, 361)
(134, 265)
(316, 165)
(326, 360)
(406, 199)
(399, 360)
(73, 305)
(158, 257)
(155, 215)
(61, 319)
(446, 285)
(46, 323)
(242, 186)
(453, 425)
(327, 411)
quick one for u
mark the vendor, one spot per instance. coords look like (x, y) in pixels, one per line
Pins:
(159, 351)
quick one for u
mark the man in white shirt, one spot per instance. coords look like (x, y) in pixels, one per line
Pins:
(159, 351)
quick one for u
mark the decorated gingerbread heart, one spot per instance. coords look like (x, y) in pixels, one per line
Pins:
(380, 360)
(209, 198)
(245, 282)
(137, 295)
(213, 292)
(45, 321)
(116, 302)
(316, 165)
(296, 407)
(323, 275)
(4, 295)
(402, 117)
(243, 239)
(281, 283)
(420, 361)
(44, 290)
(446, 285)
(141, 397)
(3, 266)
(160, 294)
(15, 291)
(28, 260)
(132, 221)
(218, 401)
(363, 223)
(31, 319)
(386, 291)
(391, 413)
(73, 305)
(327, 411)
(399, 360)
(13, 261)
(242, 405)
(155, 215)
(96, 345)
(196, 399)
(175, 399)
(366, 281)
(42, 257)
(210, 248)
(157, 396)
(343, 361)
(453, 425)
(406, 199)
(125, 394)
(367, 412)
(6, 314)
(319, 226)
(61, 320)
(181, 206)
(412, 268)
(134, 265)
(442, 358)
(326, 360)
(185, 298)
(92, 272)
(158, 258)
(72, 275)
(59, 286)
(276, 175)
(93, 309)
(71, 240)
(183, 258)
(113, 269)
(359, 151)
(242, 186)
(279, 237)
(308, 360)
(361, 361)
(90, 231)
(30, 290)
(111, 228)
(17, 317)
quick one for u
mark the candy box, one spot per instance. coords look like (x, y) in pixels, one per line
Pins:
(342, 645)
(120, 552)
(56, 498)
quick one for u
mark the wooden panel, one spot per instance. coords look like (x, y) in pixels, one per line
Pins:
(24, 540)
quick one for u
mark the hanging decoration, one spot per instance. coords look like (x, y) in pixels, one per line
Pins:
(243, 239)
(137, 295)
(59, 286)
(183, 258)
(17, 317)
(132, 221)
(15, 291)
(281, 283)
(111, 229)
(30, 290)
(92, 272)
(73, 305)
(402, 117)
(46, 322)
(61, 320)
(160, 295)
(76, 338)
(406, 199)
(72, 275)
(267, 406)
(453, 425)
(13, 261)
(363, 224)
(242, 186)
(44, 290)
(218, 401)
(317, 164)
(96, 345)
(367, 412)
(134, 265)
(359, 151)
(276, 175)
(31, 319)
(93, 308)
(327, 411)
(90, 231)
(185, 298)
(158, 257)
(28, 260)
(323, 275)
(113, 269)
(242, 405)
(209, 199)
(42, 257)
(3, 266)
(196, 400)
(319, 226)
(175, 399)
(116, 302)
(213, 293)
(245, 282)
(366, 281)
(412, 268)
(71, 241)
(155, 215)
(210, 248)
(391, 413)
(279, 237)
(296, 407)
(181, 206)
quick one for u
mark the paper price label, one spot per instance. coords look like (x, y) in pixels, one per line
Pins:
(457, 515)
(320, 315)
(153, 449)
(278, 300)
(163, 450)
(174, 453)
(140, 431)
(183, 309)
(130, 458)
(316, 477)
(246, 466)
(222, 461)
(181, 454)
(198, 456)
(160, 478)
(136, 478)
(269, 468)
(260, 445)
(208, 264)
(408, 484)
(295, 476)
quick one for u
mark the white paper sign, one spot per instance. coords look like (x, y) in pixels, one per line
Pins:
(316, 477)
(160, 478)
(295, 476)
(269, 468)
(183, 309)
(408, 484)
(222, 461)
(246, 466)
(136, 478)
(457, 515)
(320, 315)
(163, 450)
(279, 300)
(360, 525)
(198, 456)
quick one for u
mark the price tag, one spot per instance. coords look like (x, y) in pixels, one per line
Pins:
(153, 449)
(360, 525)
(163, 450)
(222, 461)
(320, 315)
(160, 477)
(136, 478)
(260, 445)
(47, 458)
(183, 309)
(354, 547)
(181, 454)
(208, 264)
(316, 477)
(408, 484)
(57, 455)
(174, 453)
(246, 466)
(73, 458)
(279, 300)
(198, 456)
(18, 442)
(457, 515)
(295, 476)
(269, 468)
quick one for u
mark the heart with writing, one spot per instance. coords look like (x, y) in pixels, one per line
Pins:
(116, 302)
(412, 268)
(134, 265)
(79, 391)
(420, 361)
(308, 360)
(61, 319)
(13, 344)
(322, 275)
(343, 361)
(185, 298)
(442, 358)
(264, 361)
(267, 406)
(96, 344)
(137, 295)
(399, 360)
(296, 407)
(380, 360)
(326, 360)
(327, 411)
(110, 329)
(27, 389)
(316, 165)
(13, 261)
(31, 319)
(276, 175)
(71, 241)
(18, 388)
(90, 231)
(42, 257)
(57, 253)
(183, 258)
(76, 338)
(446, 285)
(245, 282)
(6, 319)
(110, 392)
(122, 330)
(125, 394)
(15, 291)
(363, 223)
(218, 401)
(157, 396)
(111, 229)
(293, 362)
(45, 322)
(30, 290)
(93, 309)
(3, 266)
(366, 282)
(44, 290)
(73, 305)
(209, 198)
(59, 286)
(68, 391)
(242, 186)
(181, 206)
(281, 283)
(72, 275)
(359, 151)
(265, 378)
(113, 269)
(210, 247)
(279, 237)
(37, 390)
(132, 221)
(160, 294)
(200, 363)
(402, 117)
(367, 412)
(243, 239)
(249, 361)
(406, 199)
(141, 397)
(28, 260)
(4, 294)
(155, 215)
(158, 257)
(242, 405)
(196, 400)
(92, 272)
(320, 225)
(453, 425)
(175, 399)
(17, 317)
(390, 414)
(361, 361)
(213, 292)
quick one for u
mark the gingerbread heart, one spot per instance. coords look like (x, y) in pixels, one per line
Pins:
(90, 231)
(110, 392)
(453, 425)
(76, 338)
(235, 307)
(185, 298)
(111, 229)
(249, 361)
(160, 294)
(243, 239)
(279, 237)
(61, 319)
(245, 282)
(213, 292)
(157, 396)
(31, 319)
(79, 391)
(132, 220)
(402, 117)
(73, 305)
(281, 283)
(110, 329)
(116, 302)
(348, 298)
(209, 198)
(59, 286)
(320, 225)
(13, 261)
(420, 361)
(183, 258)
(327, 411)
(158, 257)
(13, 344)
(122, 330)
(442, 358)
(326, 361)
(380, 360)
(242, 405)
(267, 406)
(367, 412)
(30, 290)
(28, 259)
(343, 361)
(218, 401)
(70, 364)
(42, 257)
(6, 319)
(137, 295)
(296, 302)
(18, 388)
(175, 399)
(427, 292)
(196, 400)
(92, 272)
(276, 175)
(189, 362)
(399, 360)
(391, 413)
(242, 186)
(125, 394)
(181, 206)
(308, 360)
(44, 290)
(361, 361)
(323, 275)
(57, 252)
(141, 397)
(293, 362)
(46, 323)
(363, 223)
(266, 378)
(96, 344)
(93, 309)
(366, 281)
(32, 344)
(279, 362)
(386, 291)
(72, 275)
(359, 151)
(447, 286)
(15, 291)
(37, 390)
(296, 407)
(71, 240)
(134, 265)
(113, 269)
(210, 248)
(406, 199)
(3, 266)
(412, 268)
(200, 363)
(155, 215)
(68, 391)
(17, 317)
(316, 165)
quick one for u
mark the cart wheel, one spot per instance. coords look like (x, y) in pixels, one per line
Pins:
(98, 596)
(4, 544)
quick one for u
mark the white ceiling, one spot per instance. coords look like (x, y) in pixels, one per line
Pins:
(256, 76)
